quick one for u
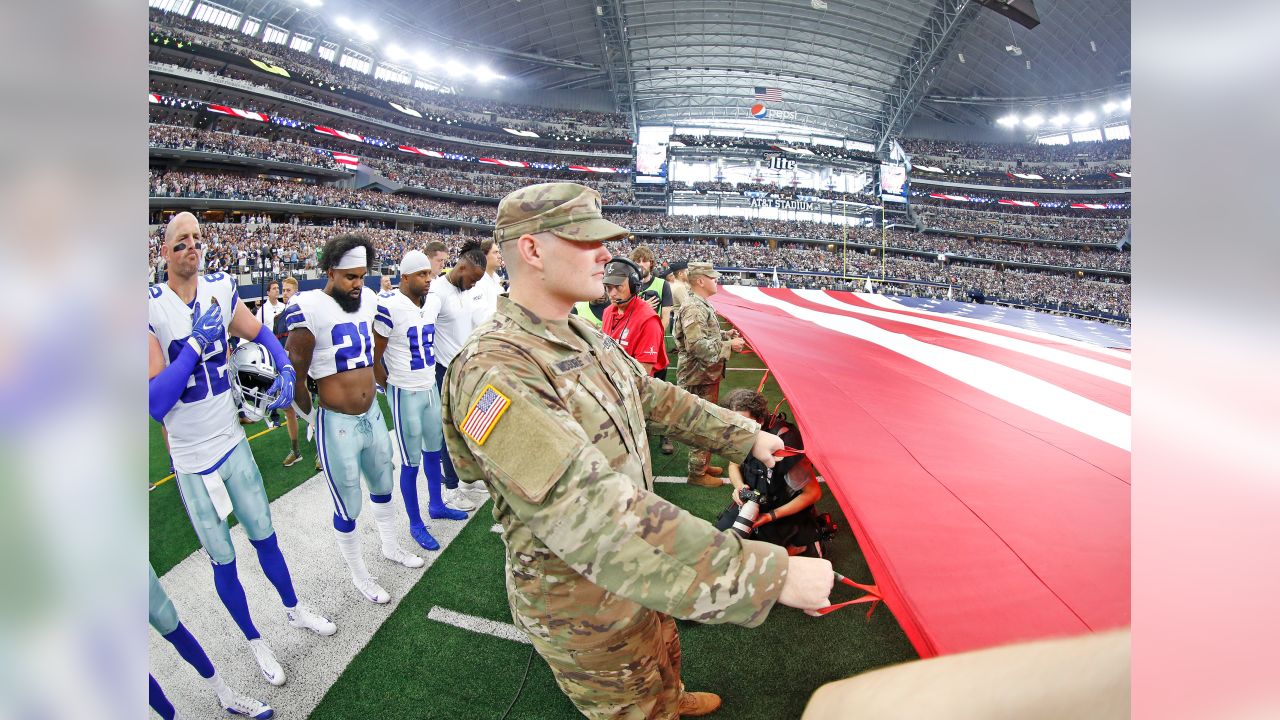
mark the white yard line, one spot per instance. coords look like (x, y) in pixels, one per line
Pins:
(506, 631)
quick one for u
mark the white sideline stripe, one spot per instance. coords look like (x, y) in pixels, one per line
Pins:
(506, 631)
(1097, 368)
(681, 479)
(885, 302)
(302, 520)
(1012, 386)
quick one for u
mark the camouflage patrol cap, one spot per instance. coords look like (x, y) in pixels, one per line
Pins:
(702, 268)
(567, 210)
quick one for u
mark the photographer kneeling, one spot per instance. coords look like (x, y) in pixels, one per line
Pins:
(786, 494)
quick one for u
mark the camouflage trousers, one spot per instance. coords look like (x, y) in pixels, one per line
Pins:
(634, 675)
(698, 458)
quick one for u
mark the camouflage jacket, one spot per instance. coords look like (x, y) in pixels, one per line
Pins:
(551, 415)
(702, 345)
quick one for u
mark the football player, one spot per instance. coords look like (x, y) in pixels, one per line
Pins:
(164, 618)
(404, 363)
(331, 339)
(189, 392)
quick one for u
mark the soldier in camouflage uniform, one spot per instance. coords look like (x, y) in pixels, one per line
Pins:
(704, 349)
(552, 415)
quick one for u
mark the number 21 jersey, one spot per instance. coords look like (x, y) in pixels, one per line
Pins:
(344, 341)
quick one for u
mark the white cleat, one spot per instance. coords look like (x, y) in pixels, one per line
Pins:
(402, 556)
(457, 499)
(302, 616)
(372, 591)
(238, 704)
(271, 669)
(476, 491)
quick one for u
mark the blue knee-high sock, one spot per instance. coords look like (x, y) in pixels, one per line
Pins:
(159, 702)
(409, 491)
(189, 648)
(431, 463)
(274, 567)
(231, 591)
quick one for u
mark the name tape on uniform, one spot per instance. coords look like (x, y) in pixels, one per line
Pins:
(484, 414)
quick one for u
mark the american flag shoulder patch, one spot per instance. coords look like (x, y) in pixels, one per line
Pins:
(484, 414)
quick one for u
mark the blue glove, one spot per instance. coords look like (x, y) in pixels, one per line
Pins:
(206, 329)
(284, 385)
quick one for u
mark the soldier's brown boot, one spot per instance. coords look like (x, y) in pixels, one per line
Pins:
(704, 480)
(667, 447)
(697, 704)
(715, 470)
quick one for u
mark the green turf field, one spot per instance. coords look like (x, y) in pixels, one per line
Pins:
(414, 667)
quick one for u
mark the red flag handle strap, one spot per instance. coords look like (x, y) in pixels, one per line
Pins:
(872, 596)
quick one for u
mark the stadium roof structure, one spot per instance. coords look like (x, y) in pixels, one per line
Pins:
(856, 68)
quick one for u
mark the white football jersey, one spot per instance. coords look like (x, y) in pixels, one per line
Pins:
(453, 323)
(202, 425)
(344, 341)
(484, 299)
(410, 331)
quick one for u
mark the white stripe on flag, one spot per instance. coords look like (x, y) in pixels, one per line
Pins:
(1097, 368)
(1012, 386)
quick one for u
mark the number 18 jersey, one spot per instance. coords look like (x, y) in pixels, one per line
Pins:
(343, 340)
(410, 332)
(202, 425)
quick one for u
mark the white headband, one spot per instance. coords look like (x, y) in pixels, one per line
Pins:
(354, 258)
(413, 261)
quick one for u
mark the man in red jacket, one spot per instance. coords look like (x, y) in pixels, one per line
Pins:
(634, 324)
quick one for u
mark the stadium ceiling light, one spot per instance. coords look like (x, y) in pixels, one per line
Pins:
(1032, 121)
(455, 68)
(344, 23)
(1125, 104)
(312, 3)
(1085, 118)
(485, 74)
(1060, 119)
(1008, 120)
(395, 52)
(366, 33)
(1110, 107)
(424, 61)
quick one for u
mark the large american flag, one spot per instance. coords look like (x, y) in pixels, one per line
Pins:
(768, 94)
(982, 465)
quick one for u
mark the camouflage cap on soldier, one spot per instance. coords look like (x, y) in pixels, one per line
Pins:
(702, 268)
(567, 210)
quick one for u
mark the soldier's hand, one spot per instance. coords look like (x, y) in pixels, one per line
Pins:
(766, 445)
(808, 584)
(737, 344)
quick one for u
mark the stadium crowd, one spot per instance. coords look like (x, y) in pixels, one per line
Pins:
(238, 187)
(456, 107)
(194, 95)
(292, 247)
(1057, 228)
(232, 143)
(1090, 152)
